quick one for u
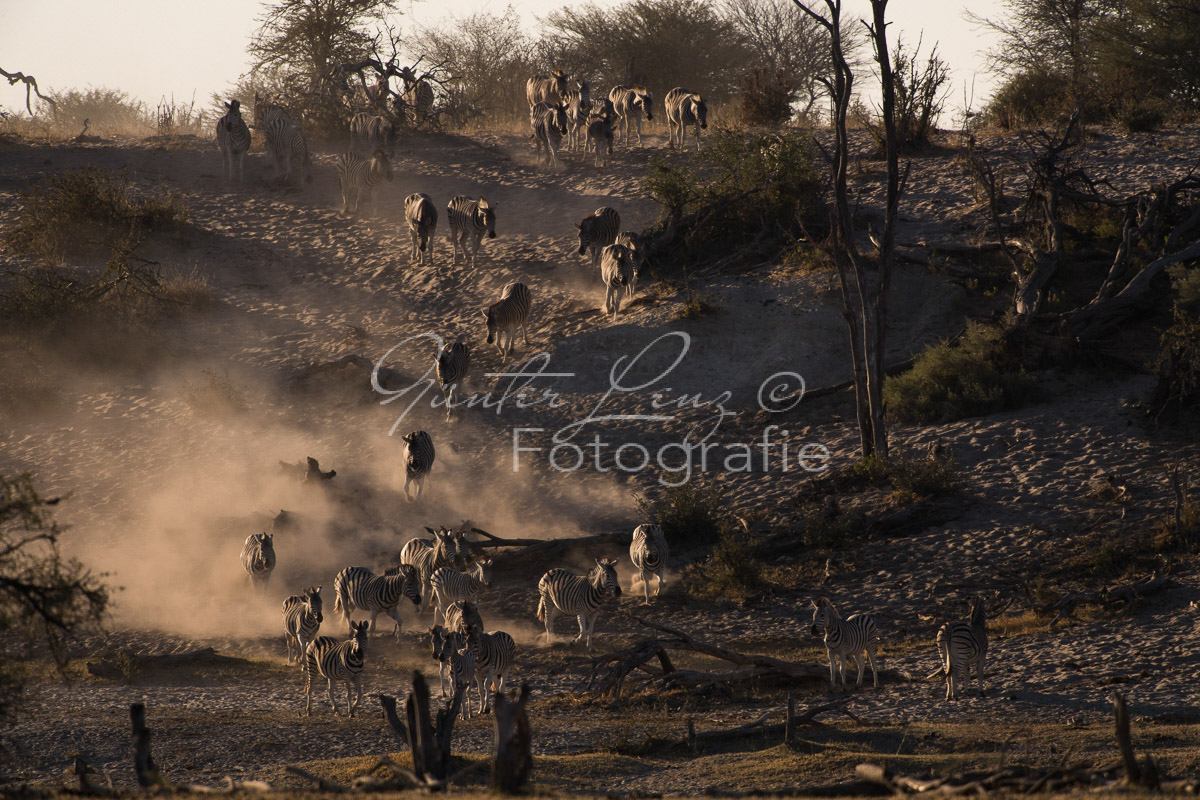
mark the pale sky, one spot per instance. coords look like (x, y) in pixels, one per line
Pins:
(155, 48)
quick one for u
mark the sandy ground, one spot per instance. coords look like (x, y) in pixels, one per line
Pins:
(163, 488)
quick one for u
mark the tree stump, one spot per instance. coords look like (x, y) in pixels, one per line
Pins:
(511, 759)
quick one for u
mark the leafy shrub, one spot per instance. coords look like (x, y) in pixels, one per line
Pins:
(109, 112)
(731, 571)
(697, 305)
(767, 100)
(933, 473)
(823, 530)
(920, 98)
(1177, 390)
(949, 382)
(1028, 98)
(745, 196)
(77, 211)
(689, 514)
(1142, 116)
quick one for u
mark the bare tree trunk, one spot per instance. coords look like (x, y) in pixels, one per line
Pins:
(511, 759)
(143, 762)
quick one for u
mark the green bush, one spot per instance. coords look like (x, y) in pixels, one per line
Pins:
(949, 382)
(767, 100)
(1142, 116)
(923, 475)
(1028, 98)
(690, 515)
(1177, 390)
(731, 571)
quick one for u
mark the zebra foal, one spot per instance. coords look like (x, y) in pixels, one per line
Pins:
(233, 140)
(507, 315)
(961, 644)
(494, 656)
(370, 133)
(549, 124)
(359, 588)
(448, 585)
(649, 554)
(285, 143)
(421, 215)
(336, 661)
(633, 243)
(578, 105)
(357, 173)
(684, 108)
(470, 220)
(418, 461)
(630, 104)
(559, 591)
(452, 365)
(617, 274)
(301, 620)
(845, 640)
(258, 559)
(598, 230)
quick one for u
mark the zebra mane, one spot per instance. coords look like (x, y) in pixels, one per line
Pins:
(978, 612)
(826, 603)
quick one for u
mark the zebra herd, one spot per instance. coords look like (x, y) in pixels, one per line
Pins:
(558, 109)
(449, 576)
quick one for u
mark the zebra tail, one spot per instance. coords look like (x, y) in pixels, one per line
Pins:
(337, 602)
(541, 614)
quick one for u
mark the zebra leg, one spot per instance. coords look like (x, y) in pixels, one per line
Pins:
(645, 585)
(307, 688)
(550, 614)
(979, 673)
(394, 613)
(332, 702)
(659, 589)
(525, 331)
(874, 673)
(371, 627)
(832, 682)
(638, 120)
(358, 698)
(862, 666)
(697, 136)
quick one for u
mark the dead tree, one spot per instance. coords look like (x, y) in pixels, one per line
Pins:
(31, 88)
(143, 763)
(511, 758)
(864, 297)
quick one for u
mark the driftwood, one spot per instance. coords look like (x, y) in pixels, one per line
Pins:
(511, 758)
(1112, 597)
(759, 728)
(31, 87)
(127, 665)
(549, 548)
(389, 379)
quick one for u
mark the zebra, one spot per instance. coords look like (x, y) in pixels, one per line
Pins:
(546, 88)
(961, 644)
(598, 230)
(233, 140)
(461, 657)
(463, 616)
(336, 661)
(633, 243)
(684, 108)
(301, 620)
(560, 591)
(356, 172)
(286, 142)
(452, 365)
(370, 133)
(428, 558)
(441, 654)
(578, 105)
(508, 314)
(448, 585)
(649, 554)
(549, 124)
(417, 95)
(630, 103)
(359, 588)
(421, 215)
(494, 656)
(266, 111)
(845, 640)
(617, 272)
(258, 559)
(600, 138)
(418, 461)
(469, 219)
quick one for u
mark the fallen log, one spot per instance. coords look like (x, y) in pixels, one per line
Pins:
(758, 727)
(126, 665)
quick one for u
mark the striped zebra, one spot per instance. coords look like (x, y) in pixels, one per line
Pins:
(357, 588)
(301, 620)
(441, 654)
(267, 111)
(421, 215)
(469, 221)
(617, 273)
(633, 243)
(356, 173)
(845, 640)
(508, 314)
(684, 108)
(961, 644)
(649, 554)
(463, 616)
(561, 592)
(428, 558)
(285, 143)
(546, 88)
(462, 669)
(336, 661)
(630, 104)
(598, 230)
(494, 656)
(258, 559)
(417, 95)
(370, 133)
(452, 365)
(448, 585)
(233, 139)
(549, 124)
(418, 461)
(599, 138)
(578, 106)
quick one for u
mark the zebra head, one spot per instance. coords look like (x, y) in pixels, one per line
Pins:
(483, 571)
(437, 638)
(487, 215)
(312, 598)
(585, 93)
(643, 98)
(235, 107)
(381, 165)
(604, 577)
(824, 615)
(699, 109)
(360, 633)
(558, 118)
(266, 543)
(978, 611)
(560, 82)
